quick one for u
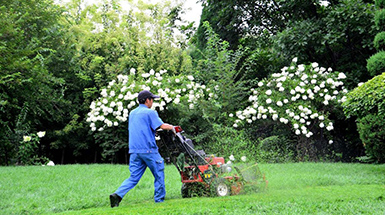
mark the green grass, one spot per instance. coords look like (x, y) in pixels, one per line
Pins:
(294, 188)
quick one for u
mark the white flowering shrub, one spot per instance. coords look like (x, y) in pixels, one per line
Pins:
(120, 96)
(300, 96)
(27, 150)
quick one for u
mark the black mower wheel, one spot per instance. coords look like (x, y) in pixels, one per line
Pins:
(220, 187)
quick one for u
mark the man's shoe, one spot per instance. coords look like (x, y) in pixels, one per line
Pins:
(115, 200)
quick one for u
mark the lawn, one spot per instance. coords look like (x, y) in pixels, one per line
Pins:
(294, 188)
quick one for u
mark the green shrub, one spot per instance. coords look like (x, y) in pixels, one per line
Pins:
(366, 99)
(276, 149)
(226, 141)
(379, 19)
(376, 63)
(372, 134)
(380, 3)
(367, 102)
(379, 41)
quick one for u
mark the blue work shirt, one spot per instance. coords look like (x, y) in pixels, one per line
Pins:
(142, 125)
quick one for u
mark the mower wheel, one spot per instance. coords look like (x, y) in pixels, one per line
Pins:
(220, 187)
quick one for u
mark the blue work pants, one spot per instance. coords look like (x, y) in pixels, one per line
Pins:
(138, 164)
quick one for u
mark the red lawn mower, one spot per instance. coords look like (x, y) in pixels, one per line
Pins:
(203, 175)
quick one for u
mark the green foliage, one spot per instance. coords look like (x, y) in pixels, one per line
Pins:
(109, 42)
(252, 20)
(27, 152)
(222, 15)
(111, 142)
(338, 35)
(380, 3)
(57, 59)
(372, 133)
(30, 37)
(379, 41)
(276, 149)
(259, 64)
(12, 138)
(366, 102)
(369, 98)
(379, 19)
(226, 141)
(218, 69)
(376, 63)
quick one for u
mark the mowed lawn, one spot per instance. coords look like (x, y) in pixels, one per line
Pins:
(294, 188)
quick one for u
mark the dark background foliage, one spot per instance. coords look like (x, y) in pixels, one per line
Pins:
(54, 62)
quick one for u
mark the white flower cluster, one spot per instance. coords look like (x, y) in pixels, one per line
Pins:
(27, 138)
(297, 96)
(324, 3)
(120, 96)
(232, 159)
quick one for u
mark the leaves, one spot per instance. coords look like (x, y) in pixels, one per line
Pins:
(366, 99)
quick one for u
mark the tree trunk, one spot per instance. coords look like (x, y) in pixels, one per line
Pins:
(6, 156)
(62, 156)
(95, 156)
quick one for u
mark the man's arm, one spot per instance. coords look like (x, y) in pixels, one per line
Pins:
(166, 126)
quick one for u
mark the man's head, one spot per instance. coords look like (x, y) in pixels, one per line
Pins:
(144, 95)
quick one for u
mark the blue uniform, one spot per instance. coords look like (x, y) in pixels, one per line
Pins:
(143, 150)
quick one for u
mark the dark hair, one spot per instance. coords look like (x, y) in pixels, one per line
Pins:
(142, 101)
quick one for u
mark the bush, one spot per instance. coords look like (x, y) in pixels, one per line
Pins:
(276, 149)
(379, 19)
(372, 134)
(379, 41)
(300, 97)
(367, 102)
(366, 99)
(376, 63)
(380, 3)
(226, 141)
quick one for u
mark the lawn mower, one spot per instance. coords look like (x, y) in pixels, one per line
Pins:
(204, 175)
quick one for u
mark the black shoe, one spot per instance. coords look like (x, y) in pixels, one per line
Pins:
(115, 200)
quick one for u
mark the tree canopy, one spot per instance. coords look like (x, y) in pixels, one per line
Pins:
(59, 62)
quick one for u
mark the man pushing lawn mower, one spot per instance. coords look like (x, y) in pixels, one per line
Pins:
(142, 126)
(201, 175)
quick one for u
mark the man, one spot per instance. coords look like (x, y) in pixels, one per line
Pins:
(142, 125)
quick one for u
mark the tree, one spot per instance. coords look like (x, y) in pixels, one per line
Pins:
(109, 42)
(366, 102)
(338, 35)
(31, 94)
(334, 33)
